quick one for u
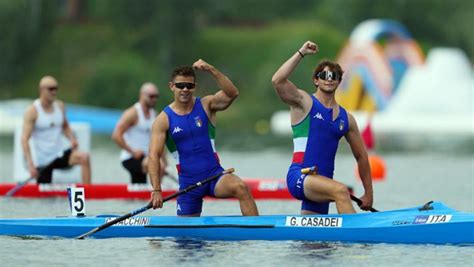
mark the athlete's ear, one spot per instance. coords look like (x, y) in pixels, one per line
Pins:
(170, 84)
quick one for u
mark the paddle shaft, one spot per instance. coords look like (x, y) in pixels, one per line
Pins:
(314, 169)
(149, 205)
(19, 186)
(359, 202)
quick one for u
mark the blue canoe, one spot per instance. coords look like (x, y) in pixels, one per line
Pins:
(433, 223)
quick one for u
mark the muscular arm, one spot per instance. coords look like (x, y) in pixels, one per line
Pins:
(227, 93)
(29, 120)
(128, 119)
(284, 88)
(360, 154)
(157, 144)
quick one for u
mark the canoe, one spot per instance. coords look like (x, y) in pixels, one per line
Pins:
(433, 223)
(260, 188)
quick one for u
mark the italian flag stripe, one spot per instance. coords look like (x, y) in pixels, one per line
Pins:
(170, 143)
(213, 145)
(299, 144)
(175, 156)
(298, 157)
(212, 137)
(212, 131)
(302, 128)
(172, 149)
(300, 139)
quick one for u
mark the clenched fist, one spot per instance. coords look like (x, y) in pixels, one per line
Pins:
(202, 65)
(309, 48)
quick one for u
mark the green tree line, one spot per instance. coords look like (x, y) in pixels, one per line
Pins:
(101, 51)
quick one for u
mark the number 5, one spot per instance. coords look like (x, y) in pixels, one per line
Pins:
(78, 199)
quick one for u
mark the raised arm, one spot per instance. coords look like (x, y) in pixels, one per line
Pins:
(227, 93)
(360, 154)
(67, 131)
(29, 120)
(157, 144)
(285, 89)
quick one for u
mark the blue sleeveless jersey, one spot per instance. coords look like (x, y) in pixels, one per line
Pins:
(190, 139)
(316, 138)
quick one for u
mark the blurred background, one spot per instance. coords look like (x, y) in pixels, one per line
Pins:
(408, 65)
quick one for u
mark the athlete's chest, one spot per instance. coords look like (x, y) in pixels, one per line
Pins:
(189, 127)
(49, 120)
(324, 120)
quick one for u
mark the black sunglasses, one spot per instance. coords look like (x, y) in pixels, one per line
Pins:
(52, 88)
(153, 96)
(326, 75)
(183, 85)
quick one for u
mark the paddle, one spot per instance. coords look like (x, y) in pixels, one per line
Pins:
(18, 186)
(149, 205)
(359, 202)
(314, 169)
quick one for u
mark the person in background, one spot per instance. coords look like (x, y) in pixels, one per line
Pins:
(318, 123)
(45, 122)
(132, 134)
(187, 127)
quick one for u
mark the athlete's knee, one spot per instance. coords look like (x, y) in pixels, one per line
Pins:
(241, 189)
(84, 158)
(341, 192)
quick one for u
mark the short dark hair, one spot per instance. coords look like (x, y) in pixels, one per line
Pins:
(333, 66)
(183, 71)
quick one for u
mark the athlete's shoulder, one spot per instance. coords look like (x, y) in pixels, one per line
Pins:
(131, 112)
(351, 119)
(59, 103)
(161, 121)
(31, 113)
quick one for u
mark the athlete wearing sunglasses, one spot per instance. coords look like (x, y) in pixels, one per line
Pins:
(44, 124)
(187, 127)
(318, 124)
(184, 85)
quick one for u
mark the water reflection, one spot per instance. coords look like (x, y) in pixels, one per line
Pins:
(184, 249)
(324, 250)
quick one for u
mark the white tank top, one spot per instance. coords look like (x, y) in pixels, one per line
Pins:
(46, 136)
(138, 136)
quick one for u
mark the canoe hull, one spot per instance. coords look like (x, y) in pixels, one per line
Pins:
(400, 226)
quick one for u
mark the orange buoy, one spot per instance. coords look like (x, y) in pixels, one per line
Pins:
(377, 168)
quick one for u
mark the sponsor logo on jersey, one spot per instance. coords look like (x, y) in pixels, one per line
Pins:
(318, 116)
(176, 130)
(198, 121)
(341, 125)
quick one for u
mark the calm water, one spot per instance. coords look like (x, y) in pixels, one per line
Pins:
(412, 179)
